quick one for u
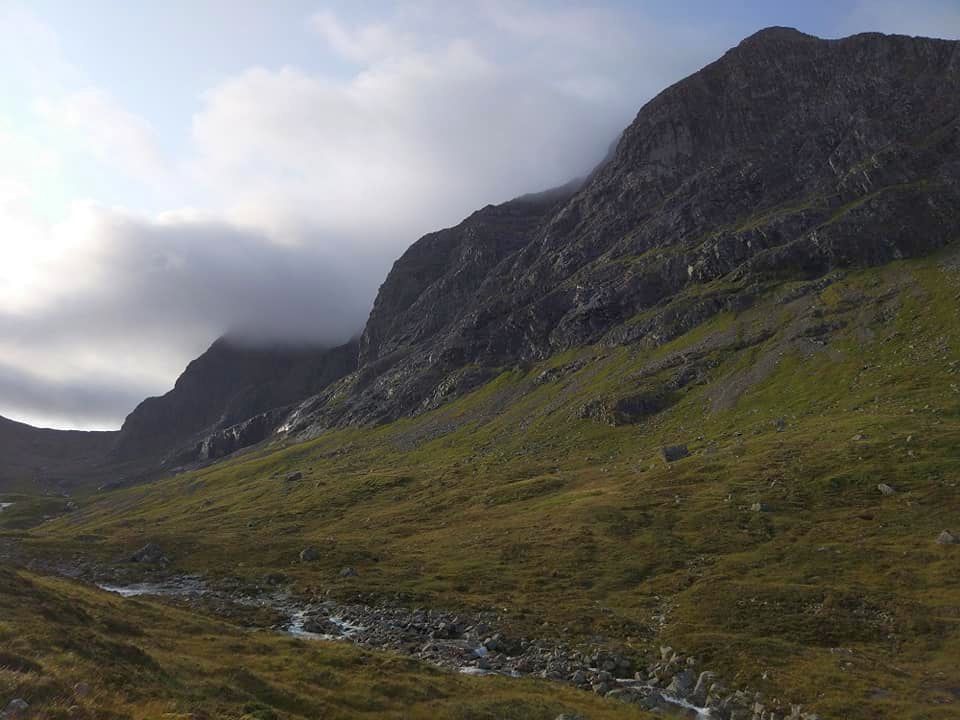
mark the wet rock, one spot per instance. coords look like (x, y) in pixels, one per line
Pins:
(309, 554)
(702, 689)
(886, 489)
(672, 453)
(646, 697)
(150, 553)
(579, 678)
(322, 626)
(682, 684)
(947, 538)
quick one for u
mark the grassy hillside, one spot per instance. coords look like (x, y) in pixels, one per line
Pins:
(768, 552)
(71, 651)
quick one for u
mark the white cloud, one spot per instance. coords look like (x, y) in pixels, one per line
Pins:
(363, 44)
(112, 134)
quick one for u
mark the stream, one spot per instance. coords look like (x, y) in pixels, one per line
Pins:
(468, 644)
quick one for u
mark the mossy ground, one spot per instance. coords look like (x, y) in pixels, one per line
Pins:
(837, 597)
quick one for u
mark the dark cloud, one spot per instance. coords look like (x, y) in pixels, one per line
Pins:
(82, 402)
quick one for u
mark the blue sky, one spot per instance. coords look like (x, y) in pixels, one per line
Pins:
(174, 170)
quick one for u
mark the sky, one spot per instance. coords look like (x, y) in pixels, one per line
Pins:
(173, 171)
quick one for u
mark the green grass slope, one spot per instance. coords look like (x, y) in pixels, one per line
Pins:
(516, 498)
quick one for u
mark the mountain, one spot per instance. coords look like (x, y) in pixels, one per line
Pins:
(692, 421)
(230, 397)
(51, 461)
(787, 158)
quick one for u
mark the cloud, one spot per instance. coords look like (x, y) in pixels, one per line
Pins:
(367, 43)
(115, 136)
(926, 18)
(83, 403)
(132, 297)
(304, 183)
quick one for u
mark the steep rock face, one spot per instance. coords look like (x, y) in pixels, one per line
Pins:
(427, 288)
(225, 387)
(787, 158)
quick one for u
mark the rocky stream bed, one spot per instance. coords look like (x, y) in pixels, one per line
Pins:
(672, 685)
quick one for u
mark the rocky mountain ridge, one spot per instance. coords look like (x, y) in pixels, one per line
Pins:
(787, 158)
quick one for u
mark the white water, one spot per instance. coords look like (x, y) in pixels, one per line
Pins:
(299, 619)
(702, 713)
(177, 589)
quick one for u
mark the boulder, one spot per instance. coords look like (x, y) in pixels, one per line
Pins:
(886, 489)
(294, 476)
(760, 507)
(348, 572)
(149, 553)
(309, 554)
(16, 708)
(947, 538)
(682, 683)
(672, 453)
(702, 688)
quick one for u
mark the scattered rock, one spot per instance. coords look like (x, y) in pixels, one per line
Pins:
(149, 553)
(309, 554)
(672, 453)
(947, 538)
(886, 489)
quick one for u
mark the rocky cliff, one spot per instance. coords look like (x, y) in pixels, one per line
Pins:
(788, 157)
